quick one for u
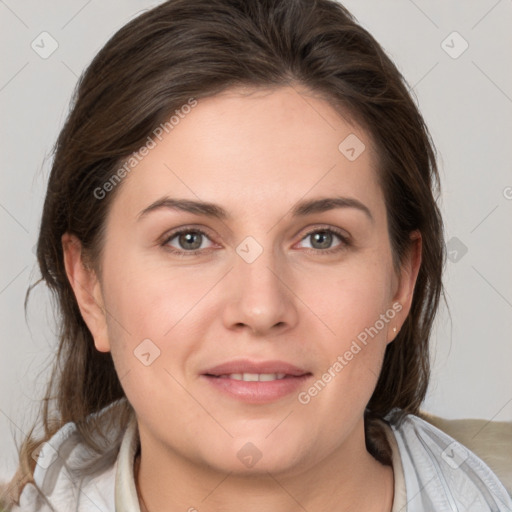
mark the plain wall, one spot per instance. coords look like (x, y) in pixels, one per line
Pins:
(466, 100)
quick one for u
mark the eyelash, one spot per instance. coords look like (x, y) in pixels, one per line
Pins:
(344, 239)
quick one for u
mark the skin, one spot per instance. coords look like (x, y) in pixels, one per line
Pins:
(255, 153)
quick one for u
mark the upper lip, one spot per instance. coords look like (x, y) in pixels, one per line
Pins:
(247, 366)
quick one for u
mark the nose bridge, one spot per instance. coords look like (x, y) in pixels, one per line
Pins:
(261, 299)
(256, 268)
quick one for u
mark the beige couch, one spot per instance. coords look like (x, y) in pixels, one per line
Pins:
(490, 440)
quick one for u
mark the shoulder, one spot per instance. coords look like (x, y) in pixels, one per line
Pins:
(442, 474)
(70, 474)
(490, 440)
(62, 483)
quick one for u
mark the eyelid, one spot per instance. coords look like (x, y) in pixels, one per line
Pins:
(169, 235)
(346, 239)
(326, 227)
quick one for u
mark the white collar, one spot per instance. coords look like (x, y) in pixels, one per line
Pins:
(126, 498)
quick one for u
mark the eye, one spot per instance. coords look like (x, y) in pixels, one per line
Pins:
(322, 239)
(189, 241)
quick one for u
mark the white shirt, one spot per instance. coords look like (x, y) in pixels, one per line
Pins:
(432, 473)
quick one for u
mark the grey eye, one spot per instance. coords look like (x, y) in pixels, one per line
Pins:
(323, 239)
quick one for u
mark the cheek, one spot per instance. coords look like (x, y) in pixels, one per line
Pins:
(154, 317)
(148, 299)
(151, 340)
(356, 311)
(147, 345)
(353, 298)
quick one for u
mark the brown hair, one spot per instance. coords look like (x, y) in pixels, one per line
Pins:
(198, 48)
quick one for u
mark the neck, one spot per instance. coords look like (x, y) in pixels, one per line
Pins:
(347, 480)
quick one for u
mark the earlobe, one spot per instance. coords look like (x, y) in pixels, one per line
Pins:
(87, 290)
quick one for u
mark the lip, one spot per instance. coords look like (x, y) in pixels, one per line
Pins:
(256, 392)
(247, 366)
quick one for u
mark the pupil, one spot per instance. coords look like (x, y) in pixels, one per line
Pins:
(188, 238)
(326, 236)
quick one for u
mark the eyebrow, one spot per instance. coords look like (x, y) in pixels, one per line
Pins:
(301, 209)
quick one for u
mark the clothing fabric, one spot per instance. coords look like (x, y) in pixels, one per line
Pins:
(441, 474)
(432, 473)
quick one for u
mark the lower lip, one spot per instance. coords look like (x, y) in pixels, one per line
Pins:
(257, 392)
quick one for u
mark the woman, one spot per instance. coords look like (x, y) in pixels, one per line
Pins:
(242, 233)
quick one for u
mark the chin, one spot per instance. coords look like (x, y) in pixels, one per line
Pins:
(253, 456)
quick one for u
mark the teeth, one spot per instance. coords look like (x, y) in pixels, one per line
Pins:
(254, 377)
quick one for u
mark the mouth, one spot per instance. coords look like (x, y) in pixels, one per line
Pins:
(256, 382)
(252, 377)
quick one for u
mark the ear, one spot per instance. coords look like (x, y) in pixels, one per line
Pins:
(87, 290)
(406, 282)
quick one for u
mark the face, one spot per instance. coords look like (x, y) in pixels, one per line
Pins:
(293, 294)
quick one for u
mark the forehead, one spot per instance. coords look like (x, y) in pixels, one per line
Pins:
(255, 150)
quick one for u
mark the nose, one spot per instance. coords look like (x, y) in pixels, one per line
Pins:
(258, 296)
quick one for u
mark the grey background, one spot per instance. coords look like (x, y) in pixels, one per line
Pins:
(467, 104)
